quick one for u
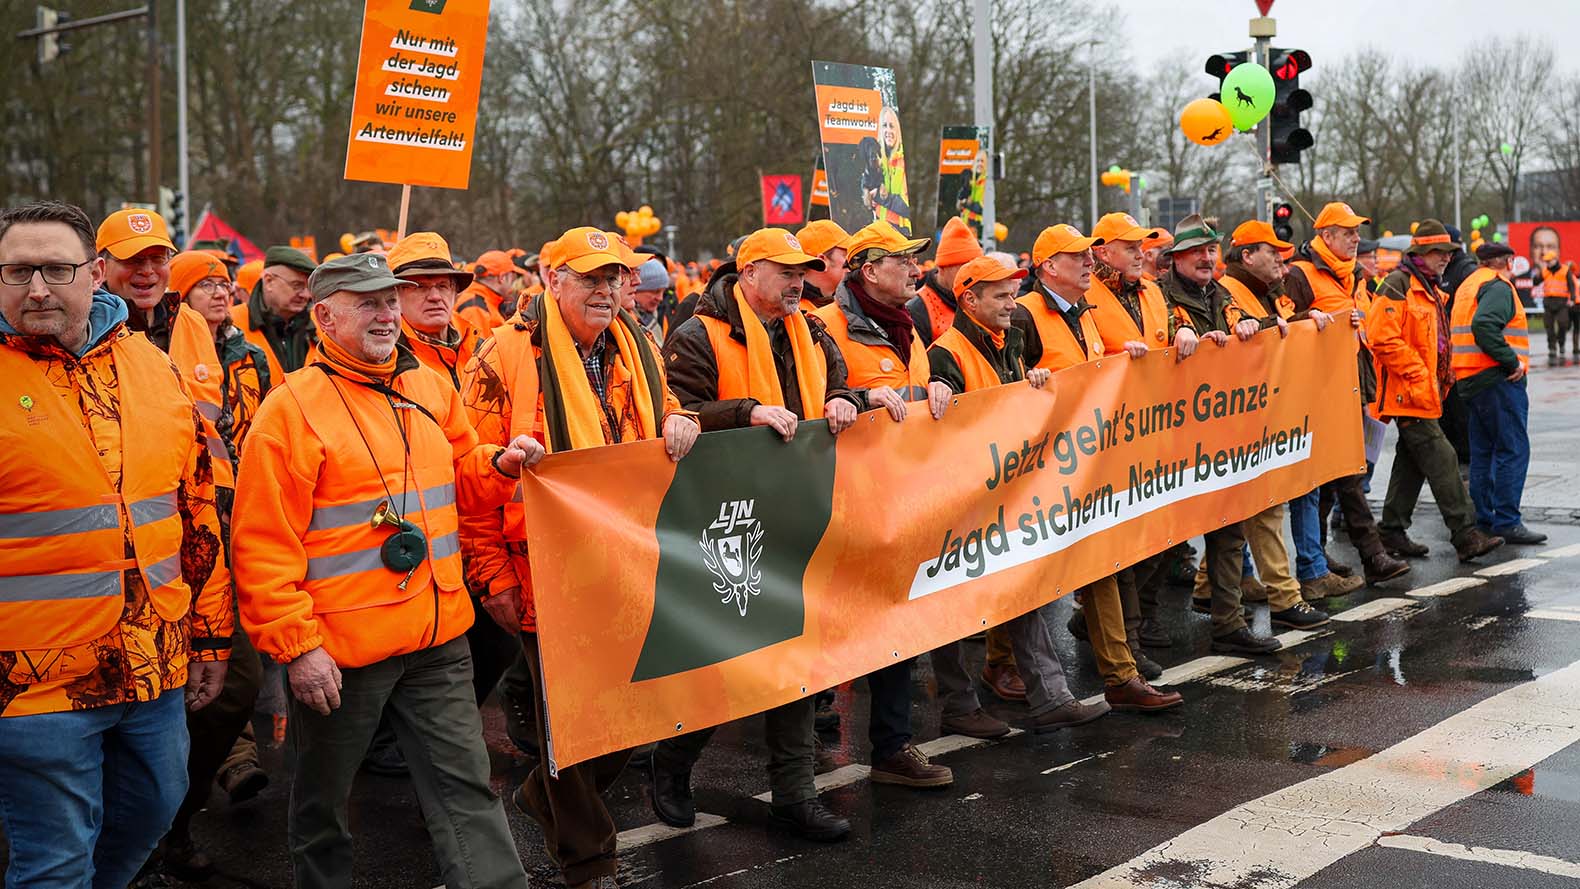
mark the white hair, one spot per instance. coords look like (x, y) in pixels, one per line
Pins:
(1005, 259)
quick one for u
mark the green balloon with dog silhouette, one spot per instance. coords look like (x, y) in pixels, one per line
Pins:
(1248, 94)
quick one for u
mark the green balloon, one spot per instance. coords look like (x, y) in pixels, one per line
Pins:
(1115, 169)
(1248, 94)
(1506, 148)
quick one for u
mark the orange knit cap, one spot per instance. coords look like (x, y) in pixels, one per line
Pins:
(957, 245)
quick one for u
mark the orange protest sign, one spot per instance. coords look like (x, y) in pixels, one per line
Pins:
(419, 74)
(671, 597)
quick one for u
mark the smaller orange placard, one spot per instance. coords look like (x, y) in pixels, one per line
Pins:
(957, 155)
(846, 113)
(419, 75)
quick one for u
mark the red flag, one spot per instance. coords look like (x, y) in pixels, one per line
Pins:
(782, 200)
(212, 228)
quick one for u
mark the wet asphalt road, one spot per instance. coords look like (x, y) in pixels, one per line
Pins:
(1496, 789)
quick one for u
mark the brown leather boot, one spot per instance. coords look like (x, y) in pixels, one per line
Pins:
(1138, 696)
(1474, 542)
(1328, 586)
(1381, 567)
(909, 767)
(1398, 543)
(976, 724)
(1004, 680)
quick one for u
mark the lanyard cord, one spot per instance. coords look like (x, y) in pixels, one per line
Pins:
(400, 510)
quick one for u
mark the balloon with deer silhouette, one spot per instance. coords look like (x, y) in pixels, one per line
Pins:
(1206, 122)
(1248, 95)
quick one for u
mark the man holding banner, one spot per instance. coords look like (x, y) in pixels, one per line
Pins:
(1199, 302)
(1057, 319)
(983, 350)
(748, 357)
(572, 371)
(886, 358)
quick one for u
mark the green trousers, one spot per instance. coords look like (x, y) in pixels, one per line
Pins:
(1424, 454)
(434, 714)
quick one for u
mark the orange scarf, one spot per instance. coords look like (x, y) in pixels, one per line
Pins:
(997, 336)
(580, 405)
(333, 353)
(762, 377)
(1343, 269)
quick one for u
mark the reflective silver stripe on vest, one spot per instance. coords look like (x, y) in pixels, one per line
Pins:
(55, 587)
(208, 409)
(1463, 329)
(152, 509)
(1519, 351)
(913, 393)
(58, 522)
(1467, 350)
(445, 547)
(348, 514)
(324, 567)
(216, 448)
(163, 572)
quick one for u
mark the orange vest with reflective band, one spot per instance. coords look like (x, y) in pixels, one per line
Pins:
(64, 526)
(1468, 359)
(974, 368)
(868, 366)
(1115, 323)
(1059, 346)
(1244, 303)
(940, 316)
(518, 367)
(241, 316)
(729, 355)
(1328, 294)
(345, 574)
(1564, 287)
(192, 350)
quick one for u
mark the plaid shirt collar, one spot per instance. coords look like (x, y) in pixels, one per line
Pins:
(592, 362)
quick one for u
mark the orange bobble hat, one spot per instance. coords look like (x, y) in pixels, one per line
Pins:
(957, 245)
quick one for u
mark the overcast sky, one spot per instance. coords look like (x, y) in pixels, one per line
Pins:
(1418, 30)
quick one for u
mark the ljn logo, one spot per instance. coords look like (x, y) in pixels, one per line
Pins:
(731, 548)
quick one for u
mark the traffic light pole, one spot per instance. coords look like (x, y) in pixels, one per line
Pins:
(1263, 29)
(982, 62)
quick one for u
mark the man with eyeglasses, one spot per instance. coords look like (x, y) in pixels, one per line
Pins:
(596, 378)
(136, 248)
(275, 316)
(117, 601)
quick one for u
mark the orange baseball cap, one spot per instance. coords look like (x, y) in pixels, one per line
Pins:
(982, 269)
(821, 236)
(774, 245)
(425, 253)
(1123, 227)
(1061, 238)
(247, 276)
(126, 233)
(1340, 214)
(879, 239)
(1255, 231)
(186, 269)
(587, 248)
(631, 259)
(496, 262)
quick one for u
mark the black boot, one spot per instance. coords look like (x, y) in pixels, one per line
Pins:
(812, 820)
(671, 792)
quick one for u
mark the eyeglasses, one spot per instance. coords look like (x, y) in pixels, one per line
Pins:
(613, 280)
(20, 274)
(209, 285)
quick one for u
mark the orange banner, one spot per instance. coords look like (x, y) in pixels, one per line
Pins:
(956, 155)
(419, 74)
(672, 597)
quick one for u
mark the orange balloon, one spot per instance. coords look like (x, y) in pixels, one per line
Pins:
(621, 218)
(1206, 122)
(1000, 231)
(645, 210)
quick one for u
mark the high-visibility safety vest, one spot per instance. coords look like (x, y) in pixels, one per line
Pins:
(241, 316)
(1244, 304)
(940, 315)
(1558, 284)
(869, 366)
(1468, 359)
(729, 355)
(1060, 349)
(1115, 323)
(63, 524)
(975, 369)
(1328, 294)
(365, 611)
(192, 350)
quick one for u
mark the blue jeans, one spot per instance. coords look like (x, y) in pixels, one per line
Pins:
(85, 795)
(1305, 523)
(1500, 452)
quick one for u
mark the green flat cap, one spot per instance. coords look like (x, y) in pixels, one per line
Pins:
(290, 257)
(358, 273)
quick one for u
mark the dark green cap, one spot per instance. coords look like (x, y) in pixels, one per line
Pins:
(358, 273)
(1431, 235)
(1192, 231)
(290, 257)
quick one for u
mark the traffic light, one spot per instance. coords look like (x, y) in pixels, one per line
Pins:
(1289, 138)
(1116, 177)
(178, 216)
(1221, 64)
(50, 46)
(1283, 222)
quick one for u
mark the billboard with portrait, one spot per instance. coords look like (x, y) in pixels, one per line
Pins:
(962, 175)
(858, 121)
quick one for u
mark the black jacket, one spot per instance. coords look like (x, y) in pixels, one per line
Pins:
(1008, 362)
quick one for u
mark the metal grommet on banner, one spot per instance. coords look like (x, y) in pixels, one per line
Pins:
(803, 689)
(896, 654)
(984, 621)
(677, 726)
